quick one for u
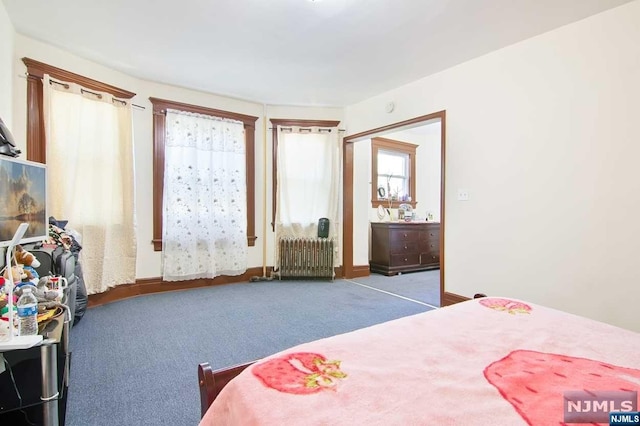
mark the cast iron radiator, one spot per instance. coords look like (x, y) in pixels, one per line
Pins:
(306, 258)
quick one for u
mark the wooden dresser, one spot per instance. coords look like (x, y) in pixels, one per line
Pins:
(404, 246)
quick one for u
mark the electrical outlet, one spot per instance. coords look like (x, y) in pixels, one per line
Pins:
(463, 195)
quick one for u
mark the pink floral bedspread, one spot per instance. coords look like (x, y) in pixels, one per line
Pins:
(488, 361)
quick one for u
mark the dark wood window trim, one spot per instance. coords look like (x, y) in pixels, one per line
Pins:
(36, 143)
(160, 107)
(398, 146)
(275, 122)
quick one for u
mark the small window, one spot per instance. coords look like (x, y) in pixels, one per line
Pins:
(288, 122)
(393, 174)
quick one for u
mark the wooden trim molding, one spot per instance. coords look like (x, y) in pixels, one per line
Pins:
(157, 285)
(360, 271)
(443, 160)
(347, 211)
(347, 247)
(339, 273)
(39, 69)
(158, 177)
(400, 147)
(379, 130)
(36, 141)
(275, 122)
(160, 107)
(452, 298)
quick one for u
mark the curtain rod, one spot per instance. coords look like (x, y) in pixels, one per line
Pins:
(82, 90)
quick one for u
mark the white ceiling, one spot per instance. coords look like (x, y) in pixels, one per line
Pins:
(290, 52)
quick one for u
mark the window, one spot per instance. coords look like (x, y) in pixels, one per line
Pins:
(79, 109)
(393, 173)
(160, 107)
(36, 143)
(275, 122)
(308, 180)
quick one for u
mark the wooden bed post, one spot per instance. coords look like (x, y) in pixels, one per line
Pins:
(211, 382)
(207, 386)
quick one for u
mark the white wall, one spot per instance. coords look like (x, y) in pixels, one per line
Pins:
(149, 262)
(541, 133)
(6, 67)
(544, 136)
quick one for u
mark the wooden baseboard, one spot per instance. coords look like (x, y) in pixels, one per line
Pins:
(338, 271)
(361, 271)
(157, 285)
(452, 298)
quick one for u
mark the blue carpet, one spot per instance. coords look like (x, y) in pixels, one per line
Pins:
(134, 362)
(422, 286)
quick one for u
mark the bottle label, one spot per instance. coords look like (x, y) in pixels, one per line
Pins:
(26, 310)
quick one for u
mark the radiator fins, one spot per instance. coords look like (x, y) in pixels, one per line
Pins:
(306, 258)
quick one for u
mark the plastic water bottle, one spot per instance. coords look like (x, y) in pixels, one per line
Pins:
(27, 313)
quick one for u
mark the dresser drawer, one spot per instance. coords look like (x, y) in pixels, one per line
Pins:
(398, 247)
(405, 259)
(404, 247)
(432, 234)
(396, 235)
(432, 246)
(429, 258)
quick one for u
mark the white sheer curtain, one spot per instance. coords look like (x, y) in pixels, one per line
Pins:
(90, 178)
(309, 182)
(205, 194)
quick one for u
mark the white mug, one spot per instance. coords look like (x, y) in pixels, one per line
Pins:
(58, 283)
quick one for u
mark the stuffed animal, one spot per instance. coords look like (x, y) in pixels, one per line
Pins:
(18, 274)
(4, 293)
(41, 291)
(28, 261)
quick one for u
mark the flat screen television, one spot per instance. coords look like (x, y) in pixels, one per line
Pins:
(23, 199)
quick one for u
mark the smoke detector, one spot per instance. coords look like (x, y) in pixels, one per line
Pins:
(390, 107)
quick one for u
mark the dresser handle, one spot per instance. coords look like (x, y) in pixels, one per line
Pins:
(405, 259)
(405, 235)
(433, 257)
(405, 246)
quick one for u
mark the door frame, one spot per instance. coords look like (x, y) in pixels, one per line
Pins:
(349, 269)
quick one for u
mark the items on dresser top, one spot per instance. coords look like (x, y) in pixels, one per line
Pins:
(404, 246)
(57, 261)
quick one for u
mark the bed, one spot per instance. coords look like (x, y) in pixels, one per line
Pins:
(484, 361)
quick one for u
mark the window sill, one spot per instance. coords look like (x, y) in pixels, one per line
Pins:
(394, 204)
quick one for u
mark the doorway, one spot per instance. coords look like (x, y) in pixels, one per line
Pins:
(351, 270)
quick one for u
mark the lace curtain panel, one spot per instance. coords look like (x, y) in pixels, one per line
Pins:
(90, 178)
(204, 204)
(309, 182)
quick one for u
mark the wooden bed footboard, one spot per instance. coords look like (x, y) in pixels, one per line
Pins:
(211, 382)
